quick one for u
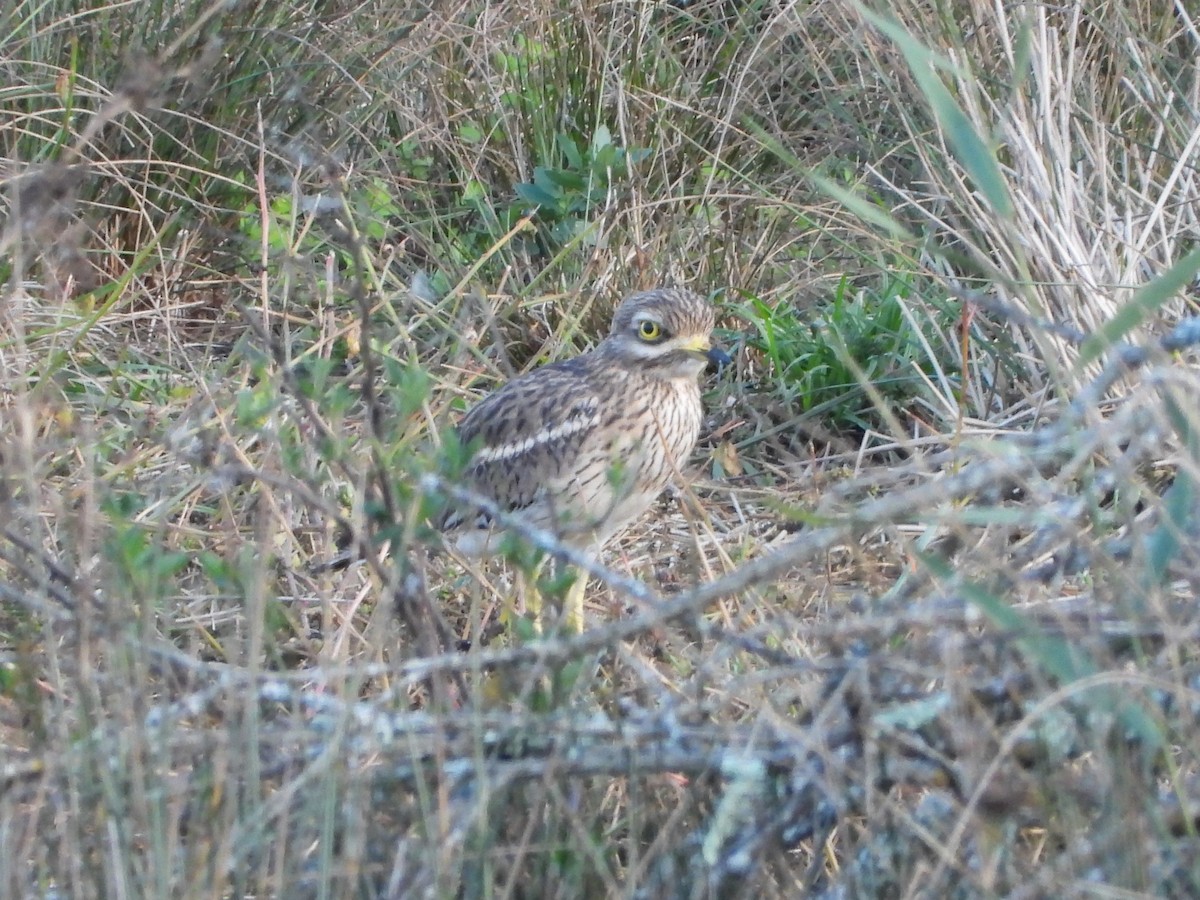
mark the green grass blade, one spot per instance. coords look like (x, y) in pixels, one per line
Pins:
(969, 147)
(1144, 303)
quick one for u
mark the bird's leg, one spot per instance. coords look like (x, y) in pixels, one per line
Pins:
(572, 611)
(572, 614)
(528, 598)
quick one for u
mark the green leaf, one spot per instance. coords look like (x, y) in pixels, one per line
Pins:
(864, 209)
(1163, 544)
(601, 139)
(1179, 502)
(536, 194)
(473, 192)
(1141, 306)
(570, 149)
(568, 181)
(608, 159)
(470, 134)
(969, 147)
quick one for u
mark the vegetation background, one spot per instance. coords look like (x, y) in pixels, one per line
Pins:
(924, 624)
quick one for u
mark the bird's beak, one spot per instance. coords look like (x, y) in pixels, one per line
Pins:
(718, 358)
(701, 346)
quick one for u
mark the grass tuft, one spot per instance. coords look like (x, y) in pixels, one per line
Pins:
(920, 621)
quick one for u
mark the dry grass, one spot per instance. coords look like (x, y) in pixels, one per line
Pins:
(923, 623)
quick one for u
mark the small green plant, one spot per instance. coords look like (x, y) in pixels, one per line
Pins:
(568, 195)
(542, 150)
(294, 224)
(564, 196)
(821, 362)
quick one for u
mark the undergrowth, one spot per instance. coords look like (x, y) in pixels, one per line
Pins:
(920, 621)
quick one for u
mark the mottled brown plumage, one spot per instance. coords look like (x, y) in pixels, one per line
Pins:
(583, 446)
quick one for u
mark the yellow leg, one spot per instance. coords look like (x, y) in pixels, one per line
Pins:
(572, 608)
(527, 591)
(572, 616)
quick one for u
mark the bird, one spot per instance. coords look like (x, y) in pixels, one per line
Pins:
(581, 447)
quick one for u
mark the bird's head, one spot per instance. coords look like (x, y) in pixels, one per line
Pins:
(666, 333)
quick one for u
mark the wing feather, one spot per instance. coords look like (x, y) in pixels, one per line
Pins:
(529, 433)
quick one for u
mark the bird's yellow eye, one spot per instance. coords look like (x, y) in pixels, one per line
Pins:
(649, 331)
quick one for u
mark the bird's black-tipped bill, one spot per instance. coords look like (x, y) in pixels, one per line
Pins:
(718, 359)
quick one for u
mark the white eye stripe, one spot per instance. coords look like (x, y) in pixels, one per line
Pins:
(646, 351)
(655, 350)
